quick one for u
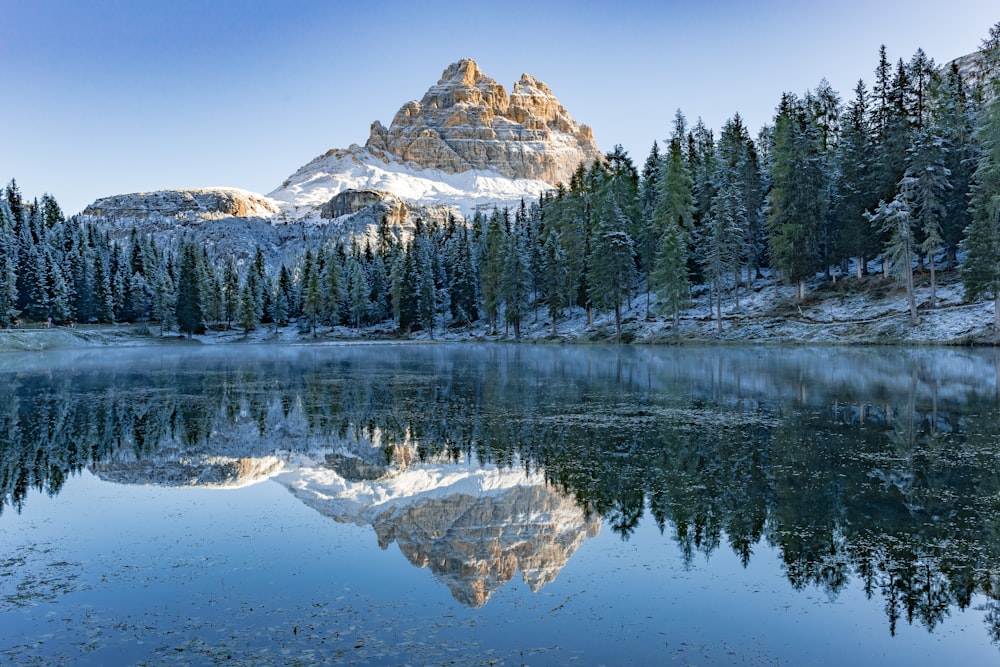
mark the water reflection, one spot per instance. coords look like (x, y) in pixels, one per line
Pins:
(478, 462)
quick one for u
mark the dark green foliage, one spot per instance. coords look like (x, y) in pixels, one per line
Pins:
(797, 199)
(981, 272)
(188, 309)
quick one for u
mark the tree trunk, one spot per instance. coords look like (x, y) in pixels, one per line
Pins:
(996, 318)
(933, 285)
(861, 264)
(718, 307)
(909, 297)
(618, 321)
(885, 266)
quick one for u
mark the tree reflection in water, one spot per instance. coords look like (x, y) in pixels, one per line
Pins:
(872, 465)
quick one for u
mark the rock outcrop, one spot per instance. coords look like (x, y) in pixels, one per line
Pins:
(199, 203)
(467, 121)
(476, 544)
(466, 143)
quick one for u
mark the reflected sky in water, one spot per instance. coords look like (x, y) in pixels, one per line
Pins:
(498, 505)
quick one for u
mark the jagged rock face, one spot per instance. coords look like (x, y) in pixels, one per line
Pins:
(350, 202)
(206, 203)
(474, 545)
(467, 121)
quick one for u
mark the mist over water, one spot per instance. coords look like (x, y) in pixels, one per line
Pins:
(324, 503)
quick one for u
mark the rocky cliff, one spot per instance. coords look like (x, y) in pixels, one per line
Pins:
(467, 121)
(199, 203)
(466, 143)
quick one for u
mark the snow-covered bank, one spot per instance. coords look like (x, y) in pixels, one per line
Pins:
(874, 313)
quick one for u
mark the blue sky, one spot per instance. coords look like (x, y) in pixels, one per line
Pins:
(107, 97)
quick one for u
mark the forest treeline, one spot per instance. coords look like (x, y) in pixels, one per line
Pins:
(906, 172)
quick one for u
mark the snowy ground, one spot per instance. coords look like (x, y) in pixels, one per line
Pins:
(842, 313)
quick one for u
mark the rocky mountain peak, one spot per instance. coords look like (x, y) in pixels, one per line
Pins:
(467, 121)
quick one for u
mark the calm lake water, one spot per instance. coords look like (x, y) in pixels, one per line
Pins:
(499, 505)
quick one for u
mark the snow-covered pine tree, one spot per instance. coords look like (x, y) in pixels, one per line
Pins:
(854, 167)
(463, 281)
(673, 218)
(554, 274)
(925, 188)
(492, 267)
(896, 221)
(515, 278)
(796, 201)
(721, 240)
(612, 262)
(954, 115)
(357, 287)
(981, 271)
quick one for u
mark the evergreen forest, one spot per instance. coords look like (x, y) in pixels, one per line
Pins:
(902, 176)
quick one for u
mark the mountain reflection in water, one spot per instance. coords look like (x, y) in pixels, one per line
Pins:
(480, 461)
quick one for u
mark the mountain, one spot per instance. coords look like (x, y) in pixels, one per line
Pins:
(473, 526)
(466, 142)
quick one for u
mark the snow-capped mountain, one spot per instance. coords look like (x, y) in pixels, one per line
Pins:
(356, 168)
(474, 526)
(465, 143)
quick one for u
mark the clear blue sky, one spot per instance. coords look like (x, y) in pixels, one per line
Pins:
(107, 97)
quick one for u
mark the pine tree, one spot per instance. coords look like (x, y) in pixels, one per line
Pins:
(515, 278)
(230, 292)
(721, 240)
(8, 267)
(358, 290)
(673, 217)
(492, 267)
(379, 291)
(954, 115)
(554, 274)
(280, 294)
(670, 276)
(102, 294)
(251, 306)
(312, 295)
(164, 299)
(612, 262)
(797, 195)
(463, 282)
(855, 173)
(703, 162)
(406, 290)
(188, 309)
(981, 271)
(895, 219)
(332, 287)
(925, 188)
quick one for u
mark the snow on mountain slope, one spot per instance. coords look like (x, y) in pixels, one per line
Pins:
(358, 168)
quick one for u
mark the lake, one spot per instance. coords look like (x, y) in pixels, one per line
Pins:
(499, 505)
